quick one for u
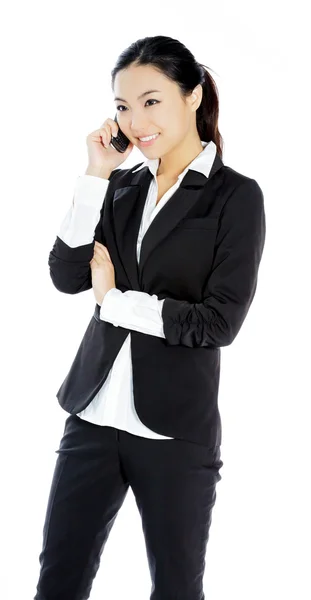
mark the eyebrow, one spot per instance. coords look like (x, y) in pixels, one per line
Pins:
(141, 95)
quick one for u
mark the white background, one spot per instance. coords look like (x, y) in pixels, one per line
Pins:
(56, 60)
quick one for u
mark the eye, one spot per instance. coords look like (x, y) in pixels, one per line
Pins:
(151, 100)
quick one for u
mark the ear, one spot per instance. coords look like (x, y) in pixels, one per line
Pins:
(196, 97)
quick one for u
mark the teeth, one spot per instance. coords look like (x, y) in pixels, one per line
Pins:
(150, 137)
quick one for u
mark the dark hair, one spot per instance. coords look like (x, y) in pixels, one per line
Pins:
(176, 62)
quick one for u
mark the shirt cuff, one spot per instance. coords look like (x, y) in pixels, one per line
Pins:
(133, 310)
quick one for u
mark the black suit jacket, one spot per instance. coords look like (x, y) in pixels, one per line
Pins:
(201, 253)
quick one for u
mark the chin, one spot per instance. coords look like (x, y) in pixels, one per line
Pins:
(151, 155)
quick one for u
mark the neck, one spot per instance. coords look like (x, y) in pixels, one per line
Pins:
(174, 163)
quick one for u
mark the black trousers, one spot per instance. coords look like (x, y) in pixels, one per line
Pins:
(174, 484)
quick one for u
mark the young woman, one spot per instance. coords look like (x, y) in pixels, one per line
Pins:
(171, 249)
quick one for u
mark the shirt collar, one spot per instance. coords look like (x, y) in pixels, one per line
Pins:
(201, 163)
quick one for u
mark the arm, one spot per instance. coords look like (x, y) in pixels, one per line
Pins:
(133, 310)
(78, 226)
(69, 259)
(232, 283)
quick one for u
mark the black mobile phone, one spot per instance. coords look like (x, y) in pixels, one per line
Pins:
(121, 142)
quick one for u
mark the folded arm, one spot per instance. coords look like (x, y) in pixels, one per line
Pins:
(73, 249)
(228, 292)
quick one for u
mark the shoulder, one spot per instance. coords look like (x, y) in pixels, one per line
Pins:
(234, 179)
(239, 187)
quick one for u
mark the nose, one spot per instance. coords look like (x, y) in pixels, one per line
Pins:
(139, 127)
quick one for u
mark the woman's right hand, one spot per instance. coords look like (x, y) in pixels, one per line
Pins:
(101, 154)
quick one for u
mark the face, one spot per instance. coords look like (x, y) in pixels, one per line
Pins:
(164, 111)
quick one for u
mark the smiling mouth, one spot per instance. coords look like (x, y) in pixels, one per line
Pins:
(148, 141)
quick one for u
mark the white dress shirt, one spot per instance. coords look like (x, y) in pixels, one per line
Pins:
(113, 405)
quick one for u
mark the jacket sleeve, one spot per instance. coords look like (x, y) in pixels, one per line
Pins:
(69, 259)
(231, 284)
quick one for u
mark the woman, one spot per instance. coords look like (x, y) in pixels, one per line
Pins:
(173, 267)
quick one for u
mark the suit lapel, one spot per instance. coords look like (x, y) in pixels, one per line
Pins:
(128, 206)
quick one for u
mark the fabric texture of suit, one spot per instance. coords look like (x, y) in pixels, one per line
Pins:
(201, 254)
(113, 405)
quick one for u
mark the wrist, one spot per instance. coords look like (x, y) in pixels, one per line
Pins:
(102, 172)
(106, 292)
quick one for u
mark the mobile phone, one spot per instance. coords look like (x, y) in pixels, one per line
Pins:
(121, 142)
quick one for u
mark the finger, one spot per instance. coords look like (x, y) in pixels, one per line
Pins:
(99, 252)
(111, 125)
(106, 137)
(107, 134)
(106, 251)
(96, 260)
(101, 258)
(102, 252)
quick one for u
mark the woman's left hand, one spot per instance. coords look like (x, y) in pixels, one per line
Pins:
(103, 277)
